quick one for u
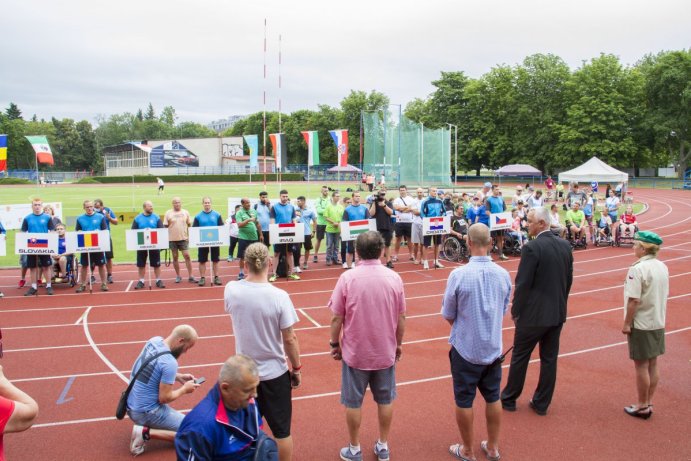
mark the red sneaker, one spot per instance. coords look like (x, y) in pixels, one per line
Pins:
(22, 283)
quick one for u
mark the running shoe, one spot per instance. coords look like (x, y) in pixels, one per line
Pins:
(217, 280)
(241, 276)
(31, 291)
(347, 454)
(159, 284)
(272, 279)
(394, 259)
(104, 287)
(93, 278)
(22, 282)
(382, 453)
(297, 269)
(139, 285)
(503, 257)
(345, 265)
(109, 278)
(315, 259)
(137, 442)
(2, 295)
(438, 265)
(178, 279)
(293, 277)
(390, 264)
(49, 290)
(304, 267)
(202, 281)
(192, 280)
(81, 289)
(425, 265)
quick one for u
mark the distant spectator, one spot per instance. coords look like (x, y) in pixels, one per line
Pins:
(161, 185)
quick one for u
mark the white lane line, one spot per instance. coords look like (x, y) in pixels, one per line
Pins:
(81, 318)
(97, 350)
(129, 285)
(334, 393)
(307, 316)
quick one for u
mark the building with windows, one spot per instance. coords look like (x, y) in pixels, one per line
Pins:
(223, 124)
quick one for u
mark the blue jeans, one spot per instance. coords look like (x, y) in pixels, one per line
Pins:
(332, 246)
(161, 417)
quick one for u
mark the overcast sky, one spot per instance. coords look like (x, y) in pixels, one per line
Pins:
(78, 59)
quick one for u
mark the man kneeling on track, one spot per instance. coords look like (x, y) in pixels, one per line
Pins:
(147, 404)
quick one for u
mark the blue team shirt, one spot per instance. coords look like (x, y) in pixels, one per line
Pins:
(306, 218)
(355, 213)
(62, 246)
(210, 219)
(283, 214)
(263, 215)
(144, 395)
(496, 204)
(91, 223)
(37, 223)
(432, 207)
(144, 221)
(108, 213)
(481, 214)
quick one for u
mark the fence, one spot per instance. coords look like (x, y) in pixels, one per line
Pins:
(50, 176)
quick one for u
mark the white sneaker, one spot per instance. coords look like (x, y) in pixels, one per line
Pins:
(297, 270)
(137, 442)
(438, 265)
(425, 265)
(345, 265)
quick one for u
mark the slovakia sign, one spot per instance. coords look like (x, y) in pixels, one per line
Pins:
(32, 243)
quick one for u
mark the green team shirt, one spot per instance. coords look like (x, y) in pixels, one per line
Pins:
(575, 217)
(249, 231)
(335, 213)
(321, 205)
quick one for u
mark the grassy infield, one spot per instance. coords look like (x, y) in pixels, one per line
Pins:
(128, 198)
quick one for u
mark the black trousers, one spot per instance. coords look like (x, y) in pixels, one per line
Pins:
(524, 342)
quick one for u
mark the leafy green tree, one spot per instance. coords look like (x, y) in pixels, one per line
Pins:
(168, 116)
(195, 130)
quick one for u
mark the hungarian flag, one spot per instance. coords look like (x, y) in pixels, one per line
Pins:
(278, 143)
(43, 152)
(358, 227)
(208, 235)
(340, 137)
(252, 141)
(37, 243)
(286, 230)
(3, 152)
(147, 238)
(312, 140)
(87, 240)
(436, 224)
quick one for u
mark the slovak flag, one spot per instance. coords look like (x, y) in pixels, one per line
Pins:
(436, 223)
(37, 243)
(340, 137)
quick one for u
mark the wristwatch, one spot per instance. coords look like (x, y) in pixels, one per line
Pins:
(332, 344)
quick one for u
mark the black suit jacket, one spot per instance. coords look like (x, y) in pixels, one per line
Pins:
(543, 282)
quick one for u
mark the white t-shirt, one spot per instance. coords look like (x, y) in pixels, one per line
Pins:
(259, 311)
(417, 219)
(402, 217)
(232, 227)
(534, 202)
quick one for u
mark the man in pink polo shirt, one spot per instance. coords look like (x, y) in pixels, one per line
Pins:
(368, 306)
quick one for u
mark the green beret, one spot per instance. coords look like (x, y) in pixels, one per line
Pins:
(648, 237)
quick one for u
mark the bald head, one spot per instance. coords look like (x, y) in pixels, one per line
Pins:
(478, 234)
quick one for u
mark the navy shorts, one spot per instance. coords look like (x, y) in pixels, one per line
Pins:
(96, 259)
(428, 239)
(154, 258)
(242, 246)
(321, 231)
(203, 254)
(38, 261)
(283, 248)
(468, 377)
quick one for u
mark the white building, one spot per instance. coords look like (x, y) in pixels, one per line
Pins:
(221, 125)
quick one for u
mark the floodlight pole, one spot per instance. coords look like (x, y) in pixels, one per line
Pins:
(455, 148)
(422, 151)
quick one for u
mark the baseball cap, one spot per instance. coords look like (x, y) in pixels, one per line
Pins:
(488, 184)
(440, 191)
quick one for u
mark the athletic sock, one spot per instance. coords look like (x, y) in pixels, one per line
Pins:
(354, 449)
(34, 286)
(48, 285)
(145, 433)
(382, 445)
(141, 280)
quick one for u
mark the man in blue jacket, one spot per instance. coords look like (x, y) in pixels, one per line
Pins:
(226, 424)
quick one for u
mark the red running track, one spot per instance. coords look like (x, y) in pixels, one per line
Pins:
(71, 352)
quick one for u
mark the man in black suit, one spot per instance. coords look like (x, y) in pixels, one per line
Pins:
(543, 282)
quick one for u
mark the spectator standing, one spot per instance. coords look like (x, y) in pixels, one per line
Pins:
(307, 218)
(333, 214)
(50, 211)
(474, 304)
(263, 209)
(588, 210)
(148, 220)
(432, 207)
(110, 219)
(612, 204)
(284, 213)
(17, 410)
(518, 196)
(485, 191)
(575, 195)
(208, 218)
(232, 224)
(320, 208)
(370, 182)
(91, 221)
(249, 231)
(381, 210)
(477, 213)
(542, 286)
(549, 184)
(147, 404)
(416, 228)
(161, 185)
(355, 211)
(645, 294)
(378, 315)
(495, 204)
(178, 221)
(39, 265)
(403, 205)
(535, 200)
(263, 317)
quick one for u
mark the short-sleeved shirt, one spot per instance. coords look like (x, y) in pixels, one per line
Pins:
(355, 213)
(145, 221)
(535, 202)
(91, 223)
(177, 223)
(575, 217)
(249, 230)
(283, 214)
(335, 213)
(496, 204)
(612, 204)
(259, 311)
(210, 219)
(6, 410)
(417, 205)
(480, 213)
(549, 183)
(574, 197)
(37, 223)
(407, 202)
(370, 298)
(307, 215)
(588, 208)
(648, 281)
(263, 215)
(383, 219)
(628, 218)
(604, 221)
(145, 392)
(108, 213)
(321, 205)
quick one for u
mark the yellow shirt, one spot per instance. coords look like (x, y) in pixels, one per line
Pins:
(648, 281)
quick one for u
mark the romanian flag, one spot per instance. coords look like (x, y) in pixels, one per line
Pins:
(147, 238)
(312, 140)
(500, 221)
(37, 243)
(436, 224)
(208, 235)
(3, 152)
(278, 143)
(286, 230)
(358, 227)
(252, 141)
(87, 240)
(340, 137)
(43, 152)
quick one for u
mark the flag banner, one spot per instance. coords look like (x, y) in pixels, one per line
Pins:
(212, 236)
(499, 221)
(87, 241)
(12, 215)
(3, 152)
(436, 226)
(351, 229)
(278, 143)
(287, 233)
(3, 245)
(252, 141)
(340, 137)
(312, 140)
(33, 243)
(43, 152)
(146, 239)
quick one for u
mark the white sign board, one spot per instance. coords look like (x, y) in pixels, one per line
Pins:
(499, 221)
(212, 236)
(146, 239)
(87, 241)
(351, 229)
(3, 245)
(13, 215)
(436, 226)
(286, 233)
(34, 243)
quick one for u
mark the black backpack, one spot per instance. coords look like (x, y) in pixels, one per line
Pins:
(282, 268)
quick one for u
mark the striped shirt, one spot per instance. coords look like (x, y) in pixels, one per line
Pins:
(476, 299)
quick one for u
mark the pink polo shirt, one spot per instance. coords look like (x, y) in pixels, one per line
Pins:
(370, 299)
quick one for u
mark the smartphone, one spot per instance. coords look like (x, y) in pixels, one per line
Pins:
(201, 380)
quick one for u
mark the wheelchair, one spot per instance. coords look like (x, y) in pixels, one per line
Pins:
(607, 240)
(624, 238)
(454, 249)
(512, 246)
(581, 243)
(71, 272)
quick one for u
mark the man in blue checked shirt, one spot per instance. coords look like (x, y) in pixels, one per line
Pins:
(475, 301)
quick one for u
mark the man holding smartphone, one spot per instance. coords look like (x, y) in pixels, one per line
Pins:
(382, 210)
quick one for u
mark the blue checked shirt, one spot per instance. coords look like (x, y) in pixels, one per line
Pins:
(476, 299)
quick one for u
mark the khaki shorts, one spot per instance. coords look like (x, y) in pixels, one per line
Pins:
(181, 245)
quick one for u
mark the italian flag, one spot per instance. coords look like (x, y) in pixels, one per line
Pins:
(147, 238)
(312, 140)
(42, 149)
(358, 227)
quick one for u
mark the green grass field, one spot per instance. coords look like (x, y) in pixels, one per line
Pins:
(126, 198)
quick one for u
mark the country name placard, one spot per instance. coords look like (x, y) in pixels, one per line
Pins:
(287, 233)
(351, 229)
(87, 241)
(146, 239)
(499, 221)
(212, 236)
(436, 226)
(34, 243)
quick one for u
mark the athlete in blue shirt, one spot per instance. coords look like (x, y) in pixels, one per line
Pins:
(91, 221)
(356, 211)
(432, 207)
(283, 213)
(39, 222)
(263, 209)
(308, 218)
(495, 204)
(148, 220)
(208, 218)
(110, 219)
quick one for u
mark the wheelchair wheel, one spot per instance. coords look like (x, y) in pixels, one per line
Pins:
(73, 271)
(452, 249)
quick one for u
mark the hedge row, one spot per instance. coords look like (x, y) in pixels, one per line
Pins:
(198, 178)
(12, 181)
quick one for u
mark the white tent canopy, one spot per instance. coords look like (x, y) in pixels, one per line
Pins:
(594, 170)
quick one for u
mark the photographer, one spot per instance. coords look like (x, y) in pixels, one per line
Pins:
(382, 210)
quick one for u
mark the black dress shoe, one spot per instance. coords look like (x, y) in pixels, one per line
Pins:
(537, 410)
(643, 413)
(508, 407)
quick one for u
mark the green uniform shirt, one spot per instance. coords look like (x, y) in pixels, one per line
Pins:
(320, 207)
(249, 230)
(575, 217)
(334, 213)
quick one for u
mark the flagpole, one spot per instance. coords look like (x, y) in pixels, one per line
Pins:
(280, 130)
(264, 108)
(88, 261)
(38, 180)
(148, 258)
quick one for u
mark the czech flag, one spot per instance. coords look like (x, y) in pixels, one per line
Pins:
(286, 230)
(147, 238)
(358, 227)
(500, 221)
(340, 137)
(87, 240)
(436, 224)
(37, 243)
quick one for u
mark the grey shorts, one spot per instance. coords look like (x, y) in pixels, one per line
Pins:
(181, 245)
(416, 233)
(382, 384)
